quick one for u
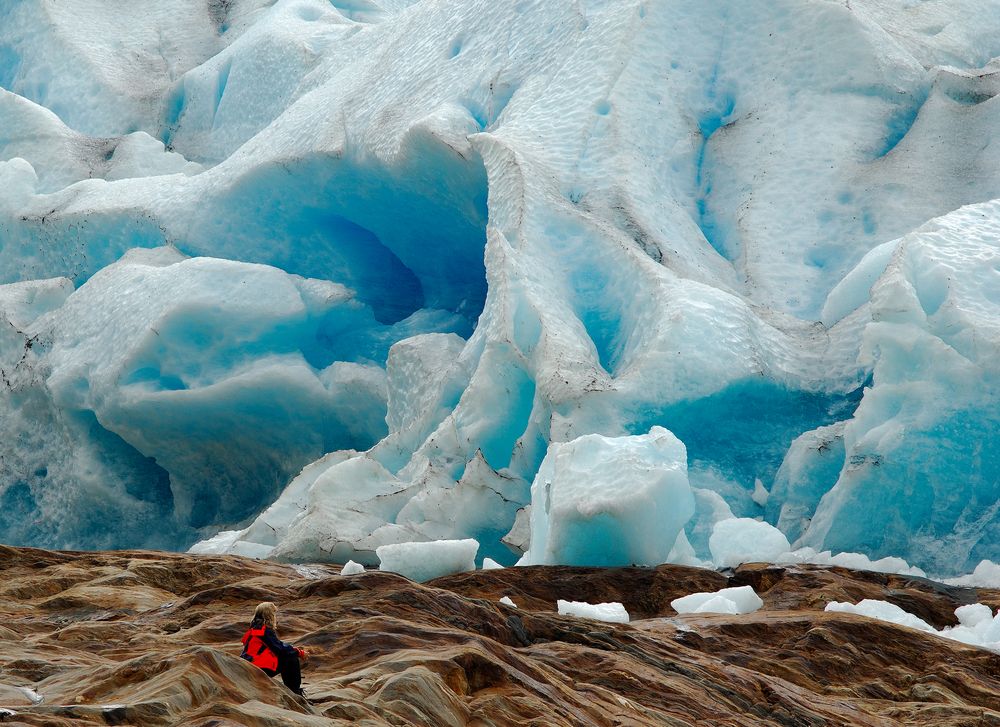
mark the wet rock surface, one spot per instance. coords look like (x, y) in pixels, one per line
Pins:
(145, 638)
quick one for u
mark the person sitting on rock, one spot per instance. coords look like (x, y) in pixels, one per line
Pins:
(262, 648)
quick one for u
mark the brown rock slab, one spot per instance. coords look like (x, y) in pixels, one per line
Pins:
(147, 638)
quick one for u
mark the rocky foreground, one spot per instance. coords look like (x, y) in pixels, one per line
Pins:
(148, 638)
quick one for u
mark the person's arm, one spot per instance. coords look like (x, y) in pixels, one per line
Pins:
(277, 646)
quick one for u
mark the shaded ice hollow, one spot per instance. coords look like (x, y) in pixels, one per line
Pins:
(413, 250)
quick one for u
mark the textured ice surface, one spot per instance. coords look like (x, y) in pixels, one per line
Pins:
(609, 501)
(424, 561)
(613, 612)
(472, 231)
(919, 475)
(742, 599)
(168, 394)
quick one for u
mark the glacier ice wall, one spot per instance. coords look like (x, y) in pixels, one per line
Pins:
(427, 239)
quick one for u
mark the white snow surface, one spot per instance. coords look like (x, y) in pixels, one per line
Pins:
(737, 600)
(389, 258)
(613, 612)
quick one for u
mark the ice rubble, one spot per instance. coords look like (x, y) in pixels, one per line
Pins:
(503, 228)
(977, 625)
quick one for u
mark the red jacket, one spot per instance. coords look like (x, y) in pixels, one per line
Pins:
(256, 651)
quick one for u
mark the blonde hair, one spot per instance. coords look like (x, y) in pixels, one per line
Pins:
(268, 613)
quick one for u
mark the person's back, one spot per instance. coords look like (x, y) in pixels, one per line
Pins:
(263, 649)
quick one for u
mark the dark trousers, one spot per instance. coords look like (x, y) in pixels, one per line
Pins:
(290, 670)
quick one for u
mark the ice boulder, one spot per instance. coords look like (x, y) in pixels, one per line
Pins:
(717, 604)
(612, 612)
(610, 501)
(352, 569)
(973, 614)
(348, 503)
(222, 542)
(739, 600)
(425, 561)
(744, 540)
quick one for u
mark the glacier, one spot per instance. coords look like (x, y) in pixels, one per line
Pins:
(302, 279)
